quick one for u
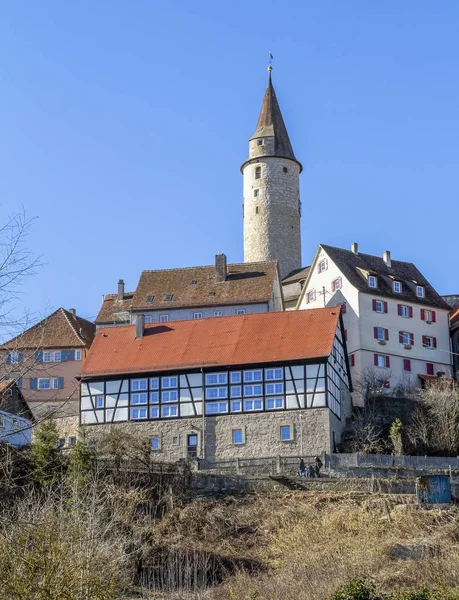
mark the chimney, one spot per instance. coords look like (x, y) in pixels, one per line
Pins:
(139, 326)
(220, 267)
(120, 289)
(386, 258)
(72, 311)
(355, 247)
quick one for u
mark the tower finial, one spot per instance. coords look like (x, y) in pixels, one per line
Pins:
(270, 67)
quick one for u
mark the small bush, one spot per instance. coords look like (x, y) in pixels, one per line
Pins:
(356, 589)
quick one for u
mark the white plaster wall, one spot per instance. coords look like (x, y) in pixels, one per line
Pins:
(274, 231)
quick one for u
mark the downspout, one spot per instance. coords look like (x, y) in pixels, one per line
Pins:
(203, 443)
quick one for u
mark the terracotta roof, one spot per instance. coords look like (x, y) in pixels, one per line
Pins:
(271, 123)
(59, 330)
(246, 283)
(251, 339)
(350, 263)
(296, 275)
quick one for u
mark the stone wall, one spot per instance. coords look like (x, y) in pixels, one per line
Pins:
(272, 219)
(310, 434)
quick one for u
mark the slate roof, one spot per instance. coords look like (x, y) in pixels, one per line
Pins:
(237, 340)
(350, 263)
(246, 283)
(271, 123)
(59, 330)
(297, 275)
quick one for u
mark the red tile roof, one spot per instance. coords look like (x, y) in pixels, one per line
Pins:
(249, 339)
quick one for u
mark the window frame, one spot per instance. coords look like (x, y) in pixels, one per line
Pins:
(197, 315)
(57, 356)
(240, 311)
(164, 318)
(420, 288)
(157, 445)
(242, 438)
(257, 172)
(399, 284)
(218, 313)
(377, 303)
(77, 354)
(44, 379)
(290, 433)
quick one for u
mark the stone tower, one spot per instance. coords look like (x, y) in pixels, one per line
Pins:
(271, 209)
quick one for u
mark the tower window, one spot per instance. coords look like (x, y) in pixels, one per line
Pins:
(285, 170)
(256, 210)
(260, 142)
(257, 172)
(255, 193)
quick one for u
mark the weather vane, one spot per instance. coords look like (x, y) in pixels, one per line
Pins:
(270, 68)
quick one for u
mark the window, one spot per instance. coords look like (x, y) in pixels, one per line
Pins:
(372, 281)
(148, 319)
(382, 361)
(72, 441)
(274, 388)
(430, 368)
(286, 433)
(155, 442)
(56, 383)
(381, 334)
(53, 409)
(405, 311)
(171, 396)
(218, 313)
(15, 357)
(407, 365)
(240, 311)
(257, 172)
(216, 378)
(236, 377)
(253, 404)
(77, 354)
(46, 356)
(154, 412)
(238, 436)
(216, 392)
(420, 291)
(405, 338)
(255, 193)
(336, 284)
(260, 142)
(285, 170)
(253, 390)
(139, 384)
(57, 356)
(274, 403)
(150, 298)
(154, 383)
(163, 318)
(213, 408)
(311, 296)
(253, 376)
(323, 266)
(256, 210)
(236, 406)
(169, 297)
(429, 316)
(1, 421)
(169, 411)
(169, 382)
(44, 384)
(429, 341)
(236, 391)
(139, 398)
(61, 442)
(194, 281)
(398, 287)
(197, 315)
(99, 402)
(154, 397)
(138, 413)
(274, 374)
(379, 306)
(175, 440)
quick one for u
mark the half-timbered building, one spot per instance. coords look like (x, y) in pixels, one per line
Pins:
(249, 386)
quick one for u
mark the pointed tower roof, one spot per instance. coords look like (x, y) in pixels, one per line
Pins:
(271, 124)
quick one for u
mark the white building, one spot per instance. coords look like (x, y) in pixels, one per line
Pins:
(15, 415)
(396, 324)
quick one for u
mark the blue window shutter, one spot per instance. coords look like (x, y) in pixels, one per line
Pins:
(71, 355)
(60, 382)
(33, 383)
(19, 356)
(8, 359)
(39, 356)
(64, 355)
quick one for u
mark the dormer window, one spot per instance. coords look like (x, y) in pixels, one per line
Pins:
(398, 287)
(194, 282)
(169, 297)
(257, 172)
(150, 298)
(420, 292)
(372, 281)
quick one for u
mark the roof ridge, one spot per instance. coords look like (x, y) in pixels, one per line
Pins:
(67, 317)
(259, 262)
(393, 260)
(30, 328)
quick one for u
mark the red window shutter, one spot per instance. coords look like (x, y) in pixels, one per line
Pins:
(352, 360)
(423, 314)
(385, 307)
(333, 286)
(399, 310)
(375, 358)
(407, 364)
(411, 311)
(423, 340)
(411, 339)
(387, 362)
(400, 337)
(375, 332)
(434, 317)
(340, 282)
(345, 335)
(430, 369)
(435, 342)
(318, 268)
(386, 334)
(374, 304)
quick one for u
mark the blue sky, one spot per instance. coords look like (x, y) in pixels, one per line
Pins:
(124, 125)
